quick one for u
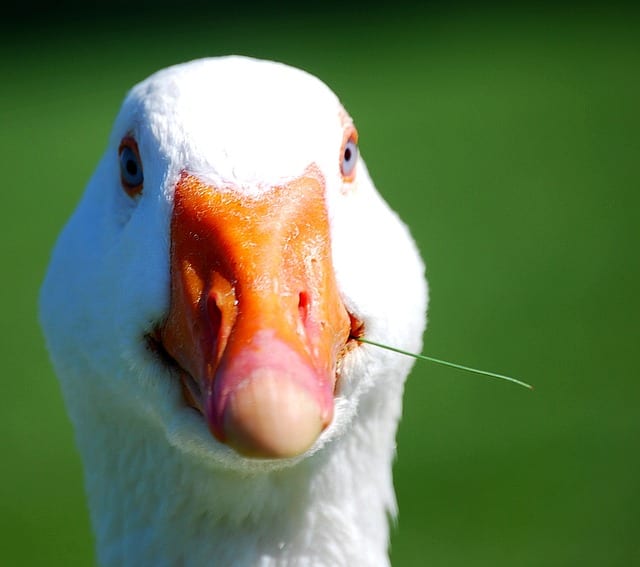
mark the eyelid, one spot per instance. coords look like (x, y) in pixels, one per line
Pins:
(128, 141)
(350, 134)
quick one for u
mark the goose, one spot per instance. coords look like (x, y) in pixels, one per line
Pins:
(202, 309)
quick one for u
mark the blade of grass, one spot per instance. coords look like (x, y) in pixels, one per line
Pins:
(447, 363)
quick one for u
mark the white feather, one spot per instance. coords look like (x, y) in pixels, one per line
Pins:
(162, 490)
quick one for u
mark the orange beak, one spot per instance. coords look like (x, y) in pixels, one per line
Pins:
(255, 320)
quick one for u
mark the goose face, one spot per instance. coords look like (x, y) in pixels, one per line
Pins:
(225, 255)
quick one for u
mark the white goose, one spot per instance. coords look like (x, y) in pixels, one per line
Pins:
(200, 309)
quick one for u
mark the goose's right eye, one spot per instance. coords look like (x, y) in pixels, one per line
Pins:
(131, 175)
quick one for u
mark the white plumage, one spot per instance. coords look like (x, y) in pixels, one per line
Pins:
(162, 489)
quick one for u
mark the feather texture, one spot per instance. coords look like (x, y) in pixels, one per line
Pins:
(162, 490)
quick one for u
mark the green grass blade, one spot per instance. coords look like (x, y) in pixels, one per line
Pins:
(447, 363)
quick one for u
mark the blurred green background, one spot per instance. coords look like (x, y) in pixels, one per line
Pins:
(507, 139)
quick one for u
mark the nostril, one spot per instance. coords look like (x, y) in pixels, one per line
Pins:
(214, 315)
(303, 305)
(214, 321)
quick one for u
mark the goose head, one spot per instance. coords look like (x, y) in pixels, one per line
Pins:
(205, 298)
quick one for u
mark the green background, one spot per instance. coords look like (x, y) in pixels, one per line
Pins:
(508, 140)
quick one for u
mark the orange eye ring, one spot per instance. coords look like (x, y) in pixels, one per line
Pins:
(131, 173)
(349, 155)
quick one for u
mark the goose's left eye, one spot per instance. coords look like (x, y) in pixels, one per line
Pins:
(349, 159)
(131, 175)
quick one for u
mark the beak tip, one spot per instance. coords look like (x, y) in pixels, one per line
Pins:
(270, 416)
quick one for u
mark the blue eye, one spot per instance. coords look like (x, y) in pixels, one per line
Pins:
(349, 158)
(131, 175)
